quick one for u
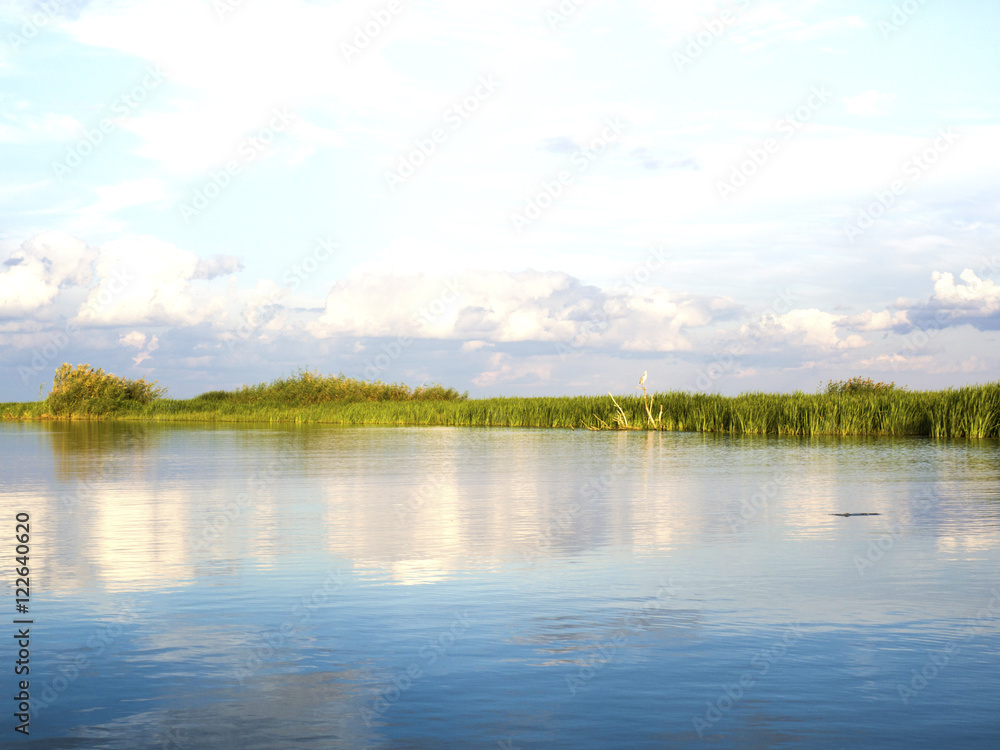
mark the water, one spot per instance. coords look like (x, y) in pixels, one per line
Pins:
(320, 587)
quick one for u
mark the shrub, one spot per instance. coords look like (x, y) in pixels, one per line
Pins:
(214, 396)
(860, 385)
(86, 390)
(307, 387)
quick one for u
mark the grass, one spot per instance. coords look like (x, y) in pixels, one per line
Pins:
(864, 408)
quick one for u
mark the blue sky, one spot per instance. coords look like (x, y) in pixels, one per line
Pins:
(519, 198)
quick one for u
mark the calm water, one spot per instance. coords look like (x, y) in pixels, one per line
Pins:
(319, 587)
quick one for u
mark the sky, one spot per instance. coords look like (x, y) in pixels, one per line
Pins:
(507, 198)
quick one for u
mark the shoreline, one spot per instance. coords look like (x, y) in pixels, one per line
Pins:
(968, 412)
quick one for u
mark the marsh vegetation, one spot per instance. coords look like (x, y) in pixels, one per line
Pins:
(858, 406)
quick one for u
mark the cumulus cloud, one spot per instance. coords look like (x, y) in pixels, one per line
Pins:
(880, 321)
(975, 296)
(130, 281)
(925, 363)
(974, 302)
(805, 328)
(220, 265)
(34, 274)
(516, 327)
(137, 339)
(510, 307)
(145, 281)
(505, 369)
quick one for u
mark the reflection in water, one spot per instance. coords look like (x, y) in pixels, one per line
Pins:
(615, 585)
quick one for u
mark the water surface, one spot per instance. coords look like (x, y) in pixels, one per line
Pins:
(311, 586)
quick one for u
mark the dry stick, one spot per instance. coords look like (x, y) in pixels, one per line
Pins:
(648, 412)
(624, 418)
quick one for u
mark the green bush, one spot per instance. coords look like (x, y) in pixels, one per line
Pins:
(85, 390)
(313, 388)
(860, 385)
(214, 397)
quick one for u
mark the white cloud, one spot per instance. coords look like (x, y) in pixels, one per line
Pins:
(653, 319)
(220, 265)
(227, 77)
(471, 346)
(879, 321)
(870, 103)
(145, 281)
(805, 328)
(506, 369)
(925, 363)
(950, 304)
(976, 296)
(32, 276)
(137, 340)
(509, 307)
(134, 338)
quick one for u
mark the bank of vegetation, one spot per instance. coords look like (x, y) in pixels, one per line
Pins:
(858, 406)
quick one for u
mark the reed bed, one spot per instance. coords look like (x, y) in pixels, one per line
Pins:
(968, 412)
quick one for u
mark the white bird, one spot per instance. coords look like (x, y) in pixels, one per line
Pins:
(643, 378)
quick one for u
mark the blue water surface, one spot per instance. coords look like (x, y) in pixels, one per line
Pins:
(197, 586)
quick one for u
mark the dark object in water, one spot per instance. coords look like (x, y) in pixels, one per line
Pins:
(855, 514)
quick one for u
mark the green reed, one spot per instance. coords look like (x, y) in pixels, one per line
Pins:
(971, 411)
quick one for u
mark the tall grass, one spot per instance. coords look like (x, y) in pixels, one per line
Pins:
(84, 390)
(307, 388)
(970, 412)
